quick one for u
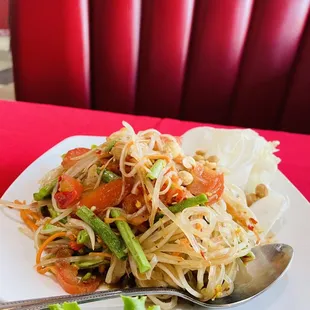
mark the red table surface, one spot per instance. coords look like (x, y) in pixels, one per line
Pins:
(27, 130)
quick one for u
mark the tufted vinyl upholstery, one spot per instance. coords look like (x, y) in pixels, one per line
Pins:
(235, 62)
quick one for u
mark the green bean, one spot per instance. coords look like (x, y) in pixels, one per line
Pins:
(44, 191)
(103, 230)
(87, 276)
(47, 227)
(156, 169)
(132, 243)
(110, 145)
(82, 237)
(188, 203)
(54, 214)
(52, 211)
(108, 176)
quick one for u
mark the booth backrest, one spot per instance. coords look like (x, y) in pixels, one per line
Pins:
(240, 62)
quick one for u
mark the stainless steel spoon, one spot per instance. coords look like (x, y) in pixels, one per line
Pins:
(271, 262)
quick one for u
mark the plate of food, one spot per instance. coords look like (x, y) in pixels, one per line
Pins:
(152, 210)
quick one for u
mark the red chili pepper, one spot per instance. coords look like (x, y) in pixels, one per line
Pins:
(203, 255)
(253, 221)
(75, 246)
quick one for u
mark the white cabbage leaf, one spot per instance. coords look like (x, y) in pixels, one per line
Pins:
(246, 157)
(247, 160)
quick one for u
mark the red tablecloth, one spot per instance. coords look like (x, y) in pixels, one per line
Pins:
(28, 130)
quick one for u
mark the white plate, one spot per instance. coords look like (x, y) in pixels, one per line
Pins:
(19, 280)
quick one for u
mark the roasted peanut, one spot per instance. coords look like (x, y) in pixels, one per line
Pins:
(200, 152)
(261, 191)
(210, 165)
(188, 162)
(213, 159)
(186, 177)
(199, 157)
(251, 198)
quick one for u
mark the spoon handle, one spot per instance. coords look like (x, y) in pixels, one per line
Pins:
(42, 303)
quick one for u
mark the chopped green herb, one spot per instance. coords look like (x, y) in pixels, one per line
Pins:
(130, 303)
(65, 306)
(91, 263)
(87, 276)
(110, 145)
(153, 307)
(134, 303)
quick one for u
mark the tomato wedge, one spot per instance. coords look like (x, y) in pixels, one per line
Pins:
(68, 161)
(66, 275)
(175, 194)
(130, 204)
(70, 191)
(105, 196)
(207, 181)
(64, 252)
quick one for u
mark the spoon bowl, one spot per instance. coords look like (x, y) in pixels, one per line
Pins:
(270, 264)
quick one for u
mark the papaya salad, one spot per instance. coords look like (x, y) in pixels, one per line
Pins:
(136, 210)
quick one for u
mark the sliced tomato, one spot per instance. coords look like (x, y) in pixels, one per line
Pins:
(64, 199)
(143, 227)
(70, 191)
(64, 252)
(105, 196)
(130, 205)
(131, 201)
(66, 275)
(69, 184)
(207, 181)
(68, 161)
(175, 194)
